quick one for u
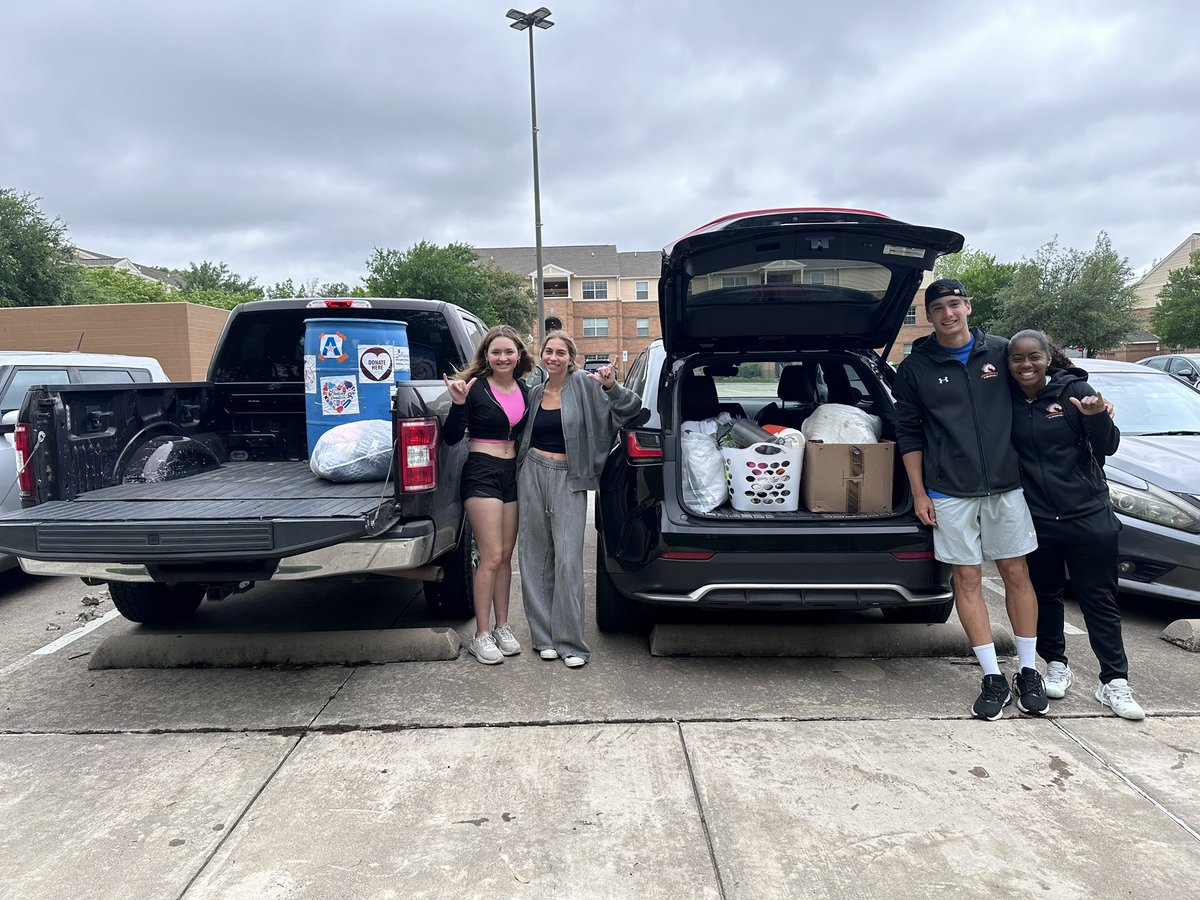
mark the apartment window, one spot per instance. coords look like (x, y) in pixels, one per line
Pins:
(910, 317)
(907, 349)
(553, 289)
(595, 327)
(816, 278)
(643, 328)
(595, 290)
(641, 290)
(732, 281)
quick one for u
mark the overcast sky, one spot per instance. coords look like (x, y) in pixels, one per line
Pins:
(289, 139)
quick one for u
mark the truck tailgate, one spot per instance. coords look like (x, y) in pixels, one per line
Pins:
(241, 510)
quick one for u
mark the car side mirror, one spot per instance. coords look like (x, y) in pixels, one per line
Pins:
(8, 422)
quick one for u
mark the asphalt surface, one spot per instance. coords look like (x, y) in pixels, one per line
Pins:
(711, 773)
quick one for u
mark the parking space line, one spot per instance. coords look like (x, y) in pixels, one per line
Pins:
(56, 645)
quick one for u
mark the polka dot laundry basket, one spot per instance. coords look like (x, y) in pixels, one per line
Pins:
(764, 477)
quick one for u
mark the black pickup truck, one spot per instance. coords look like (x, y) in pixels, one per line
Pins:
(172, 493)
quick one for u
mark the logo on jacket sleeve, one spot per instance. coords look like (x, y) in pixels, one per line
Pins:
(988, 371)
(1054, 411)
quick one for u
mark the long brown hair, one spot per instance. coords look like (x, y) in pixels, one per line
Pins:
(561, 335)
(479, 365)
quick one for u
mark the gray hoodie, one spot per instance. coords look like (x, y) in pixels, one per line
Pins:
(590, 417)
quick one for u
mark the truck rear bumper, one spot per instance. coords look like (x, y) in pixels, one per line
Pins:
(405, 547)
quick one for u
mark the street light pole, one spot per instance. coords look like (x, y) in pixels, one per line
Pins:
(539, 18)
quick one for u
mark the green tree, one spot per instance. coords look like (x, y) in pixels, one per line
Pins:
(118, 286)
(1079, 298)
(452, 274)
(221, 299)
(1176, 318)
(211, 276)
(983, 277)
(36, 259)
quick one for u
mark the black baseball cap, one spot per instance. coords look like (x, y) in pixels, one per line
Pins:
(944, 287)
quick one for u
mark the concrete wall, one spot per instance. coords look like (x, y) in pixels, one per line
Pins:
(181, 336)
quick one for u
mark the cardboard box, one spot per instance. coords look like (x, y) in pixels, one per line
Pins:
(848, 478)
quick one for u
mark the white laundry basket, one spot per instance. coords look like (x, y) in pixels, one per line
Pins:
(764, 477)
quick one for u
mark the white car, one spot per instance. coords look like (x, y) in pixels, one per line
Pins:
(21, 369)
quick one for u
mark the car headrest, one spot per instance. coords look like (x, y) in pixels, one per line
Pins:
(698, 397)
(797, 384)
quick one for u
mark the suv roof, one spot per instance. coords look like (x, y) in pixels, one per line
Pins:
(76, 358)
(803, 278)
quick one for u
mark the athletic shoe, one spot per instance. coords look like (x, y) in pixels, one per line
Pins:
(505, 640)
(1057, 680)
(484, 649)
(1117, 697)
(1031, 692)
(574, 662)
(548, 653)
(992, 699)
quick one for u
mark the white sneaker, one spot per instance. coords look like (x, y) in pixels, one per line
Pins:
(505, 640)
(484, 649)
(574, 662)
(1117, 697)
(548, 653)
(1057, 680)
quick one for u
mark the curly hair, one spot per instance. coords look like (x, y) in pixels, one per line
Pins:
(566, 339)
(479, 365)
(1058, 358)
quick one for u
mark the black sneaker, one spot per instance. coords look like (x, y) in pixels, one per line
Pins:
(992, 699)
(1031, 692)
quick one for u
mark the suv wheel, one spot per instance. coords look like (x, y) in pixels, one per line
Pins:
(925, 614)
(454, 596)
(155, 604)
(614, 611)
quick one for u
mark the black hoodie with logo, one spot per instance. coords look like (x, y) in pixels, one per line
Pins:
(959, 417)
(1056, 444)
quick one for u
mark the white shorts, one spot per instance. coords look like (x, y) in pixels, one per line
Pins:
(972, 529)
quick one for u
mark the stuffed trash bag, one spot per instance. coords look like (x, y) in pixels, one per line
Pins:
(356, 451)
(704, 484)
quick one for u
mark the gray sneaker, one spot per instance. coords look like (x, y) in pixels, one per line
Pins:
(484, 649)
(1117, 697)
(1057, 680)
(505, 640)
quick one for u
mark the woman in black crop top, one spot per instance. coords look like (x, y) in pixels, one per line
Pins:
(490, 404)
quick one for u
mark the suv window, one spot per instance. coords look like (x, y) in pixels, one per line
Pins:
(1159, 363)
(111, 376)
(23, 379)
(636, 379)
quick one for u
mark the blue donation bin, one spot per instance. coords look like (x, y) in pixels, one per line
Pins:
(350, 367)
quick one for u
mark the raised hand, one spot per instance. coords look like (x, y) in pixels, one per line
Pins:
(1093, 405)
(606, 375)
(458, 389)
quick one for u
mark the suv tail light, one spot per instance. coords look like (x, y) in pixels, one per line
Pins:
(24, 473)
(416, 449)
(339, 303)
(643, 446)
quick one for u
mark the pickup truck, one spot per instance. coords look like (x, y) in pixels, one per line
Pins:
(174, 493)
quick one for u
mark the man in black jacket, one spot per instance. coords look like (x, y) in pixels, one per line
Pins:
(954, 428)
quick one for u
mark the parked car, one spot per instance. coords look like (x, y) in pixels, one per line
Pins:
(21, 369)
(1154, 478)
(810, 294)
(1184, 366)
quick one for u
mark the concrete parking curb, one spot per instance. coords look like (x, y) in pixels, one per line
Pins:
(831, 641)
(1183, 633)
(314, 648)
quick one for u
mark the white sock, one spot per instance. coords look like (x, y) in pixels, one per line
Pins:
(986, 654)
(1026, 651)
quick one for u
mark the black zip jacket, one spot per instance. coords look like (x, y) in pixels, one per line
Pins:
(483, 416)
(1061, 476)
(959, 417)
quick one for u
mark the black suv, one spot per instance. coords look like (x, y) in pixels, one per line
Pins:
(768, 315)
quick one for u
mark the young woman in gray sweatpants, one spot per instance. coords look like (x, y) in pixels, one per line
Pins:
(574, 418)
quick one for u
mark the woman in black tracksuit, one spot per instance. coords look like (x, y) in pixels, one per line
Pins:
(1060, 425)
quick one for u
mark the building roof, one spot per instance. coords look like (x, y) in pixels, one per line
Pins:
(89, 259)
(580, 260)
(1141, 337)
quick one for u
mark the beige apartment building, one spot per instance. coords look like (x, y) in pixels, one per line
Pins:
(606, 299)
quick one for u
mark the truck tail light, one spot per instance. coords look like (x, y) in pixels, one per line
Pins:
(416, 448)
(643, 446)
(24, 473)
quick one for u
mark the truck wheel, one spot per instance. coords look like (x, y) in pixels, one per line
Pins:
(614, 611)
(155, 604)
(925, 614)
(453, 596)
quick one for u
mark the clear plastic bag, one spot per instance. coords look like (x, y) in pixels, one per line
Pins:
(355, 451)
(704, 484)
(837, 423)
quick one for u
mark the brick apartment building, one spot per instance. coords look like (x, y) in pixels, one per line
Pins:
(606, 299)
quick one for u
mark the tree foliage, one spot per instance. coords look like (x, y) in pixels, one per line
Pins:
(1176, 318)
(452, 274)
(983, 277)
(211, 276)
(36, 259)
(1079, 298)
(109, 285)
